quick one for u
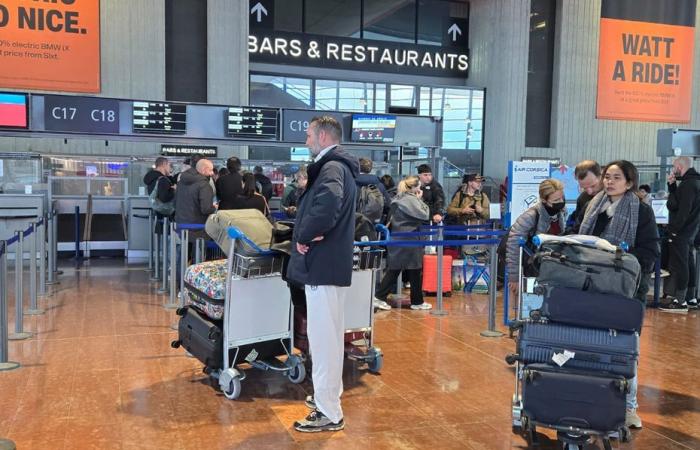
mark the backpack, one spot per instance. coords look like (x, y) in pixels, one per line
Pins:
(163, 208)
(370, 203)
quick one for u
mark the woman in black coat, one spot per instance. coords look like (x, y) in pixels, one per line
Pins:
(251, 198)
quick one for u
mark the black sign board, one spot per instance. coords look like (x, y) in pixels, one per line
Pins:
(296, 121)
(261, 13)
(160, 118)
(279, 47)
(81, 114)
(455, 32)
(188, 150)
(252, 123)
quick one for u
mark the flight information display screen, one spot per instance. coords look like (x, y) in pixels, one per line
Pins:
(252, 123)
(373, 128)
(160, 118)
(13, 110)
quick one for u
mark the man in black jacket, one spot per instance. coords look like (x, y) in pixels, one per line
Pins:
(433, 194)
(230, 186)
(321, 260)
(194, 197)
(587, 175)
(159, 178)
(265, 183)
(684, 219)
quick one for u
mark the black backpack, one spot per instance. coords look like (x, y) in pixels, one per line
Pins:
(370, 203)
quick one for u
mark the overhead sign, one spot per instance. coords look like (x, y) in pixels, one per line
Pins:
(160, 117)
(645, 67)
(354, 54)
(252, 123)
(457, 34)
(295, 122)
(51, 46)
(81, 114)
(188, 150)
(262, 13)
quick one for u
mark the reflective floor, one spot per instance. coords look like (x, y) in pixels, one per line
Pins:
(100, 374)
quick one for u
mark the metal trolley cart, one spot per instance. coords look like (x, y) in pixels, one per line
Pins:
(572, 437)
(258, 314)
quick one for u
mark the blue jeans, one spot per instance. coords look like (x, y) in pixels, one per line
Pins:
(631, 400)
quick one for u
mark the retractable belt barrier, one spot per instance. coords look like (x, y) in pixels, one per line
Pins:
(37, 268)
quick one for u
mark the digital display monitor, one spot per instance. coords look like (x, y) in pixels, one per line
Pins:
(252, 123)
(159, 118)
(373, 128)
(660, 211)
(14, 110)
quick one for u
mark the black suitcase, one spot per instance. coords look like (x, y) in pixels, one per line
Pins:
(565, 398)
(590, 309)
(611, 351)
(202, 337)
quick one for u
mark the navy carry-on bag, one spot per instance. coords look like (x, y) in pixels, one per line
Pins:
(590, 309)
(615, 352)
(565, 398)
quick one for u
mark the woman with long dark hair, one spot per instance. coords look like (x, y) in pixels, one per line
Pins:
(251, 198)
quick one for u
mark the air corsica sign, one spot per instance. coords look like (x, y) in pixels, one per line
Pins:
(354, 54)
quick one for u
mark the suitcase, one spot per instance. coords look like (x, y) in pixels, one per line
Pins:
(301, 338)
(205, 286)
(579, 348)
(590, 309)
(565, 398)
(430, 274)
(203, 338)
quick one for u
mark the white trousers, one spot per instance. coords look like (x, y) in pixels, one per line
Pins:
(325, 306)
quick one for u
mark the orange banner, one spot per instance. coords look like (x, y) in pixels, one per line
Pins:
(53, 46)
(645, 71)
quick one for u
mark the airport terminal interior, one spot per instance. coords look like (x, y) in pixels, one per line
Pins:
(124, 325)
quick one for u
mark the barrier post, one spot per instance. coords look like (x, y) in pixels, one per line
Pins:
(164, 238)
(151, 231)
(4, 352)
(184, 257)
(42, 258)
(493, 287)
(439, 311)
(159, 249)
(170, 270)
(77, 233)
(34, 309)
(19, 333)
(199, 250)
(52, 249)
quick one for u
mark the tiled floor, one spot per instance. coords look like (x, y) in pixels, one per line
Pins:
(100, 374)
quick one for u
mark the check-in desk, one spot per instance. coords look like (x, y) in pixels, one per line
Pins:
(17, 211)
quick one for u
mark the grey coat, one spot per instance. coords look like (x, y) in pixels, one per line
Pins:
(523, 227)
(326, 208)
(407, 213)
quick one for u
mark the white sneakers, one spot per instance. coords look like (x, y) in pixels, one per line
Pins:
(632, 419)
(381, 304)
(423, 306)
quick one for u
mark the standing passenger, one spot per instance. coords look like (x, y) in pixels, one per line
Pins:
(322, 261)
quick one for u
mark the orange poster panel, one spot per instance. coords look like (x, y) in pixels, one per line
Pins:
(51, 45)
(645, 71)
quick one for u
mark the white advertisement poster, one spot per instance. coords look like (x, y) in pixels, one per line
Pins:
(529, 172)
(522, 197)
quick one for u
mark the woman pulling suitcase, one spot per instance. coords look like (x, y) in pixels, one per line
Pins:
(618, 215)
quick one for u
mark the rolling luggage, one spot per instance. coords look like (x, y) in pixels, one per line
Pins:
(430, 274)
(205, 287)
(301, 338)
(587, 268)
(579, 348)
(564, 398)
(203, 338)
(590, 309)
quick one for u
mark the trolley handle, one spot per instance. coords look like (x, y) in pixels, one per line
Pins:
(235, 233)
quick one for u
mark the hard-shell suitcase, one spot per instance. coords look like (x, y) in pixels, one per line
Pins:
(430, 274)
(568, 398)
(590, 309)
(205, 287)
(201, 337)
(595, 349)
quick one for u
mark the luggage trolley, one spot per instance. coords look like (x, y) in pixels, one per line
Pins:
(257, 318)
(573, 436)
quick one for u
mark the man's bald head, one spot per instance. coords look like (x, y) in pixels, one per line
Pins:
(205, 167)
(681, 165)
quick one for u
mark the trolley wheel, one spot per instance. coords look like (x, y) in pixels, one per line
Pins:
(234, 389)
(625, 434)
(297, 371)
(377, 362)
(175, 344)
(536, 315)
(606, 444)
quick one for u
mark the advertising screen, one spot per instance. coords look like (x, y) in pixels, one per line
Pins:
(373, 128)
(13, 110)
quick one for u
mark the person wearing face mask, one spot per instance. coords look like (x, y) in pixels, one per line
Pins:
(683, 221)
(618, 215)
(547, 216)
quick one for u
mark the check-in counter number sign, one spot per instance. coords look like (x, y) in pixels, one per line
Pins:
(82, 115)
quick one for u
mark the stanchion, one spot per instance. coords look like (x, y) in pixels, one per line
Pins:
(19, 333)
(184, 259)
(159, 252)
(42, 257)
(5, 364)
(164, 266)
(170, 268)
(199, 250)
(53, 249)
(493, 287)
(34, 309)
(151, 231)
(76, 230)
(183, 238)
(439, 311)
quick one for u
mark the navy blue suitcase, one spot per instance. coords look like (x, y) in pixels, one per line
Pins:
(562, 398)
(615, 352)
(590, 309)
